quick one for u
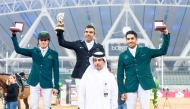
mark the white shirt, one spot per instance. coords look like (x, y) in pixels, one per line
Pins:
(43, 51)
(90, 44)
(133, 51)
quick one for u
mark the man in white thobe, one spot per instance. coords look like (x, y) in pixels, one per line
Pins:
(98, 88)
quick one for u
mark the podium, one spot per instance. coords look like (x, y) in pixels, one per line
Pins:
(159, 25)
(18, 27)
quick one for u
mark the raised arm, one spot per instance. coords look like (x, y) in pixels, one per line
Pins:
(63, 42)
(23, 51)
(164, 48)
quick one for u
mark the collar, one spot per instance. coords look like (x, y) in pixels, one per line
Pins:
(90, 43)
(134, 49)
(45, 49)
(85, 41)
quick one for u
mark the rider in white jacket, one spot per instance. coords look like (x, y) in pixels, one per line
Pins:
(98, 88)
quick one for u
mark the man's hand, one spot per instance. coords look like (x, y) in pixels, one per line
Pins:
(124, 96)
(165, 31)
(55, 91)
(13, 32)
(60, 24)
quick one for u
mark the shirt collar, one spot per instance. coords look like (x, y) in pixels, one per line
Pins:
(90, 43)
(45, 49)
(134, 49)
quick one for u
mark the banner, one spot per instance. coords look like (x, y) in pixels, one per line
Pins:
(165, 94)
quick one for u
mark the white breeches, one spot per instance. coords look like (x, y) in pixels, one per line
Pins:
(35, 96)
(143, 95)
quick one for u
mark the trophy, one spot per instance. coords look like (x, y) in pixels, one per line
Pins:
(18, 27)
(60, 25)
(159, 25)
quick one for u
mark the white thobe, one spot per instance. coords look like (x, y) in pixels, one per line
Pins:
(92, 88)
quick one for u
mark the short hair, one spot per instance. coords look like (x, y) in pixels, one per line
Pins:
(131, 32)
(90, 26)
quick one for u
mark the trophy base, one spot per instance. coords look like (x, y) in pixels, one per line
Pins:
(59, 29)
(15, 29)
(160, 28)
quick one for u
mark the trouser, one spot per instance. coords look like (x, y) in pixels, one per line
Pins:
(122, 106)
(77, 82)
(12, 105)
(143, 95)
(35, 95)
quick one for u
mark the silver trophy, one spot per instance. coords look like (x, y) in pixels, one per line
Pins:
(60, 25)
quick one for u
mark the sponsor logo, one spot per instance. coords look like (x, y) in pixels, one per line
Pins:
(118, 48)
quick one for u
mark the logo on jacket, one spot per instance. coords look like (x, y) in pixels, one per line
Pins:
(126, 56)
(81, 47)
(49, 56)
(143, 55)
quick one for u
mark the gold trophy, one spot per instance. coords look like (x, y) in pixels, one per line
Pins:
(60, 24)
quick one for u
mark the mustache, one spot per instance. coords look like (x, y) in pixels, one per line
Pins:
(97, 64)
